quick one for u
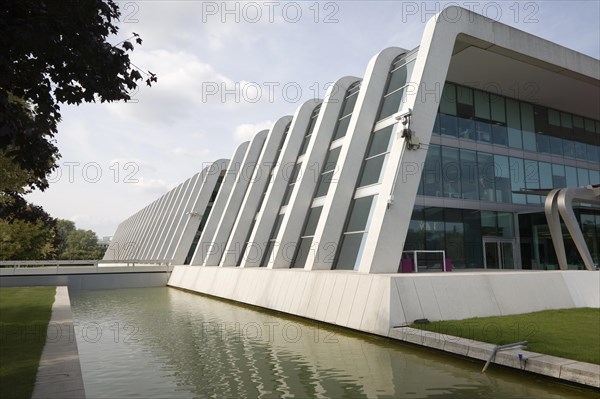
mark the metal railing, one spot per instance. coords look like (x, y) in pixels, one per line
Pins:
(416, 257)
(98, 266)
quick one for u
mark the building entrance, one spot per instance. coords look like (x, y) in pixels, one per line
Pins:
(498, 253)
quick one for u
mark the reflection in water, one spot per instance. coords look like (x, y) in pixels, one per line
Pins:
(162, 342)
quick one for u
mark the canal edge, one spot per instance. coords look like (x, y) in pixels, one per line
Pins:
(568, 370)
(59, 372)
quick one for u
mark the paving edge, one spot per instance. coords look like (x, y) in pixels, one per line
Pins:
(59, 373)
(564, 369)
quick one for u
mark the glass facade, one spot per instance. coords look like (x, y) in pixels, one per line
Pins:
(488, 150)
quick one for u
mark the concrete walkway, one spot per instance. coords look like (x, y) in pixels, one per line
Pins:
(59, 372)
(551, 366)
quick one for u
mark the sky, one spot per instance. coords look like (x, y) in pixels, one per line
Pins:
(227, 70)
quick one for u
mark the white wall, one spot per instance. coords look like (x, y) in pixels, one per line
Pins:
(377, 302)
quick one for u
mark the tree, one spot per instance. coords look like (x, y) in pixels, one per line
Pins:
(24, 240)
(63, 229)
(51, 53)
(82, 244)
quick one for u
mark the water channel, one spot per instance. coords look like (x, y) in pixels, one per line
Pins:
(167, 343)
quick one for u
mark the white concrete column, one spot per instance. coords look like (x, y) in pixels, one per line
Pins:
(126, 243)
(187, 199)
(254, 195)
(221, 201)
(341, 192)
(167, 201)
(312, 165)
(145, 227)
(161, 203)
(184, 235)
(169, 214)
(131, 235)
(113, 250)
(133, 238)
(210, 249)
(282, 173)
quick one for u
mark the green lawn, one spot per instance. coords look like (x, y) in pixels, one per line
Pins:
(24, 316)
(569, 333)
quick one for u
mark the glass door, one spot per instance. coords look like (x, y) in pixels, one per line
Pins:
(498, 253)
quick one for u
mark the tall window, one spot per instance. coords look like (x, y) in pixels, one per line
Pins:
(326, 175)
(396, 86)
(358, 219)
(262, 200)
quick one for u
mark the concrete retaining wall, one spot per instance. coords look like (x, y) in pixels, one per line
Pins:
(89, 281)
(376, 303)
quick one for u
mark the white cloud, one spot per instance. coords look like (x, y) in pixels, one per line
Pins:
(157, 186)
(247, 131)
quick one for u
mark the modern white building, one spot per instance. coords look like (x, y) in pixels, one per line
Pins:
(437, 159)
(437, 148)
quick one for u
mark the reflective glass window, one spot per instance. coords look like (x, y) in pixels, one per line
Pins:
(466, 129)
(473, 244)
(302, 253)
(543, 143)
(528, 127)
(484, 132)
(451, 172)
(468, 169)
(595, 177)
(455, 237)
(313, 220)
(464, 106)
(486, 176)
(513, 124)
(568, 148)
(583, 177)
(571, 174)
(532, 180)
(380, 141)
(558, 176)
(556, 146)
(592, 153)
(359, 214)
(517, 179)
(371, 171)
(432, 172)
(448, 99)
(435, 236)
(499, 135)
(580, 151)
(448, 125)
(342, 127)
(349, 249)
(482, 104)
(498, 111)
(502, 179)
(545, 170)
(505, 225)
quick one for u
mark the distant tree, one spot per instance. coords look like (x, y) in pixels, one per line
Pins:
(24, 240)
(63, 229)
(82, 244)
(26, 230)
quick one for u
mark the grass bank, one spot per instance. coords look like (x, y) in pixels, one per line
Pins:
(569, 333)
(24, 316)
